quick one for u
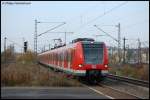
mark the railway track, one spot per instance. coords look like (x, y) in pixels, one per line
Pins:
(118, 90)
(109, 92)
(128, 80)
(128, 95)
(121, 88)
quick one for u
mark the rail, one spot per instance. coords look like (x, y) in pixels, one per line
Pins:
(129, 80)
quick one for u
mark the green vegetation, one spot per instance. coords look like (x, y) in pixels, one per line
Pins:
(133, 71)
(24, 72)
(7, 55)
(26, 58)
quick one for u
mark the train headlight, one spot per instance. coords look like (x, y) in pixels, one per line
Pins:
(80, 65)
(106, 66)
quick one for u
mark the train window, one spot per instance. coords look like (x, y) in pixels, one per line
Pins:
(72, 54)
(61, 56)
(66, 56)
(69, 56)
(56, 57)
(46, 57)
(53, 57)
(50, 57)
(93, 53)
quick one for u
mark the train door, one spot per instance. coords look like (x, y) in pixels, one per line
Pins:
(65, 59)
(58, 59)
(68, 60)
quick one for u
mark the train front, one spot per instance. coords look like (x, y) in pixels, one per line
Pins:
(93, 58)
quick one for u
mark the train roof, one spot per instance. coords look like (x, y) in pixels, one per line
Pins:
(82, 39)
(86, 41)
(79, 40)
(91, 42)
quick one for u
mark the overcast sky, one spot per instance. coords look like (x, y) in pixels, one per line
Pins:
(17, 21)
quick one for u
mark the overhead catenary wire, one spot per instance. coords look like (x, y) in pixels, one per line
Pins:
(84, 12)
(114, 8)
(14, 42)
(50, 22)
(52, 28)
(106, 33)
(144, 44)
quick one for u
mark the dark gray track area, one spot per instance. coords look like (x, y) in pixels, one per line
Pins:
(49, 93)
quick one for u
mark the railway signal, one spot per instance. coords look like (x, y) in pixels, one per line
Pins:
(25, 46)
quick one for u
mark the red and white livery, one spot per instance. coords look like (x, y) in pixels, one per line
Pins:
(84, 57)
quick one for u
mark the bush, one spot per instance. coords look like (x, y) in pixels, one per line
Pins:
(7, 55)
(33, 75)
(134, 71)
(26, 58)
(14, 75)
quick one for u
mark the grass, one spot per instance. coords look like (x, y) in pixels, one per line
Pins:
(34, 75)
(134, 71)
(27, 73)
(26, 58)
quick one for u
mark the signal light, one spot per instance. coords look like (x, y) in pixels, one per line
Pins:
(25, 46)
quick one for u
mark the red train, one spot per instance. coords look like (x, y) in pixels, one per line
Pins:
(83, 57)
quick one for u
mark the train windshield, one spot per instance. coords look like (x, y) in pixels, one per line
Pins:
(93, 53)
